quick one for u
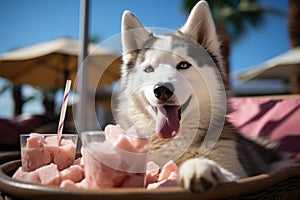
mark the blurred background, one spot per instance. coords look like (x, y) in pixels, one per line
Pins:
(260, 45)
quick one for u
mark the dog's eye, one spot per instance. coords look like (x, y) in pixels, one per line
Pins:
(183, 65)
(149, 69)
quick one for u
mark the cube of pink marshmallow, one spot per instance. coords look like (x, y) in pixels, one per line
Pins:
(49, 175)
(64, 156)
(67, 184)
(50, 141)
(167, 169)
(124, 144)
(152, 168)
(74, 173)
(31, 177)
(33, 158)
(35, 140)
(112, 133)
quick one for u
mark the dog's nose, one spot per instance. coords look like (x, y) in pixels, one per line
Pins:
(163, 91)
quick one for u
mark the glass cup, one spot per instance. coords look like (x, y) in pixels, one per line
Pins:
(113, 161)
(38, 150)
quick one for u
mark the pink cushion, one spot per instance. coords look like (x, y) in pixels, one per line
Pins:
(10, 129)
(278, 120)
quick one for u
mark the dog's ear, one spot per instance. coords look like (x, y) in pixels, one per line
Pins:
(134, 35)
(200, 27)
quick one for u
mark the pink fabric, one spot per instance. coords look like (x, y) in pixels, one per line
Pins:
(10, 129)
(278, 120)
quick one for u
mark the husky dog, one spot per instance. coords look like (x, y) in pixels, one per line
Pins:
(173, 87)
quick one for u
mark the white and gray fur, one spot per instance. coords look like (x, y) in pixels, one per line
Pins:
(149, 59)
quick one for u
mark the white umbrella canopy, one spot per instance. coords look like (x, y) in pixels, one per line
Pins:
(279, 67)
(49, 64)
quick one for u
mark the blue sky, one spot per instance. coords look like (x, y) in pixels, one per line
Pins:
(32, 21)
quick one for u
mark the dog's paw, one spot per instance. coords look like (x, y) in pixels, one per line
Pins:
(201, 175)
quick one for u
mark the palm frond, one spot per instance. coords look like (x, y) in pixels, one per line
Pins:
(237, 15)
(5, 88)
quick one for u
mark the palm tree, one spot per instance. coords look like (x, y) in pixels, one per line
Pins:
(19, 99)
(294, 23)
(232, 19)
(48, 96)
(294, 34)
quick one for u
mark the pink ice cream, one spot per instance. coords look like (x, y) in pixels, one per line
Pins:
(50, 175)
(119, 161)
(41, 151)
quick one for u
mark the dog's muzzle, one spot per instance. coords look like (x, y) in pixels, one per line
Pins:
(168, 116)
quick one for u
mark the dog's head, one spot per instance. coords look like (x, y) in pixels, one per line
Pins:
(166, 78)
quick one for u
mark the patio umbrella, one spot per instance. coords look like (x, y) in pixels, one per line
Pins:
(279, 67)
(49, 64)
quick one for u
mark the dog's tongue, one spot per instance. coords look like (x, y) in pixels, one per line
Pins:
(167, 123)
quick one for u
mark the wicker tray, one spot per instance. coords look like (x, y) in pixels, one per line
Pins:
(282, 184)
